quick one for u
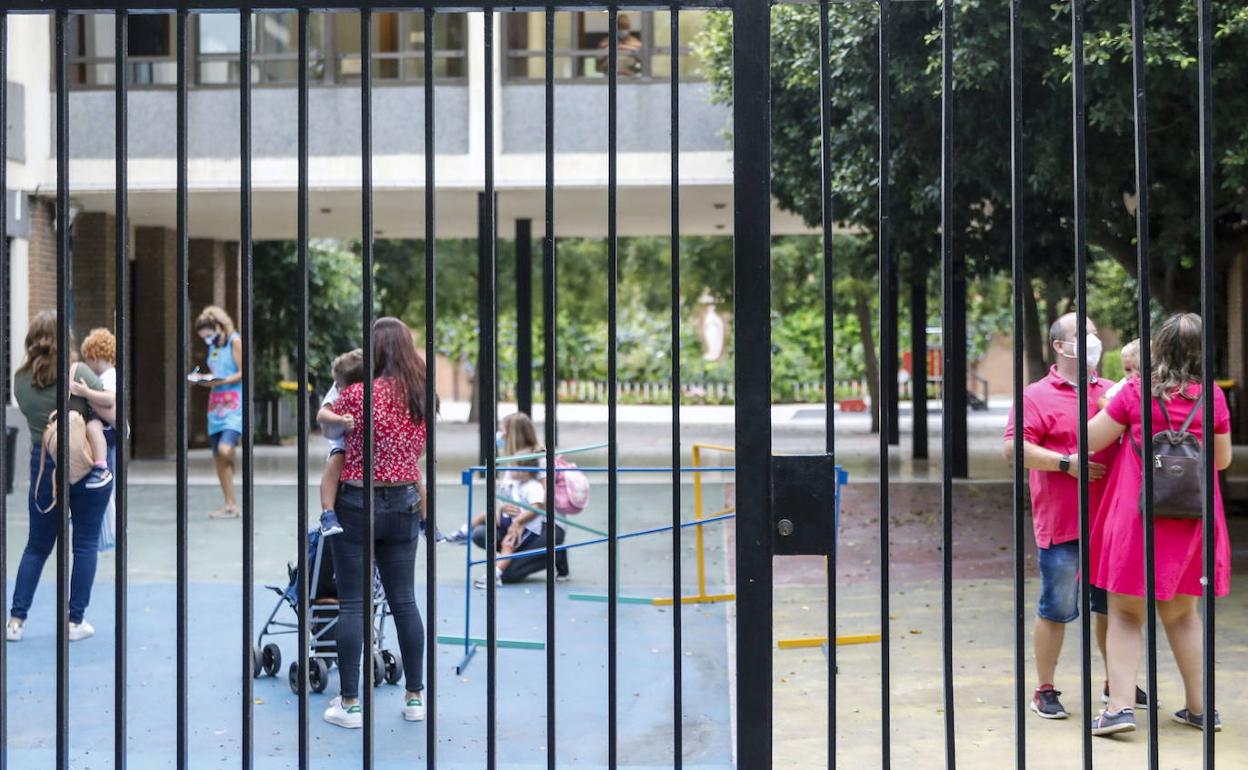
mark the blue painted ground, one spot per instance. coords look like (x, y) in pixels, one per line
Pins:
(645, 688)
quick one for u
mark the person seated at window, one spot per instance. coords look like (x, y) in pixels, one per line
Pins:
(628, 50)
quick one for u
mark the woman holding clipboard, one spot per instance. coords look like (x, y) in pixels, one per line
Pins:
(225, 403)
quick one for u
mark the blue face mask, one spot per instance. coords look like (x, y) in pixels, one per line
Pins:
(499, 442)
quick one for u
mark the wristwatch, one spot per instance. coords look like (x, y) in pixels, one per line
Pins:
(1063, 464)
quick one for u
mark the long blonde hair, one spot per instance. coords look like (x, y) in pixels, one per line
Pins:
(213, 316)
(41, 349)
(521, 437)
(1176, 355)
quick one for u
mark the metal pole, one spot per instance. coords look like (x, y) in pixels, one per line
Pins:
(888, 376)
(524, 315)
(183, 345)
(1019, 276)
(488, 394)
(366, 235)
(431, 405)
(550, 369)
(752, 293)
(678, 721)
(301, 366)
(247, 273)
(4, 377)
(613, 451)
(954, 384)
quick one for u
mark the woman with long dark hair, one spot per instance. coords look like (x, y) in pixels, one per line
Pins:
(1116, 547)
(34, 387)
(399, 387)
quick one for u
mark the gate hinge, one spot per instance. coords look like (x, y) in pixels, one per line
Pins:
(803, 504)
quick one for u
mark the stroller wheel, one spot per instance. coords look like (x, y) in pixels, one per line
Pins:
(318, 675)
(393, 665)
(294, 677)
(271, 659)
(379, 670)
(257, 667)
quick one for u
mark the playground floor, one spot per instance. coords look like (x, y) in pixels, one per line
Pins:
(644, 663)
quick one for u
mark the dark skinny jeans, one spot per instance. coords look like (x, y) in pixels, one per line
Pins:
(396, 532)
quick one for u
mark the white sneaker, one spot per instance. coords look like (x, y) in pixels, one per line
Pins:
(80, 631)
(480, 582)
(349, 716)
(414, 709)
(13, 629)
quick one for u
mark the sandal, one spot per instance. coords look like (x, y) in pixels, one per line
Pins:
(226, 512)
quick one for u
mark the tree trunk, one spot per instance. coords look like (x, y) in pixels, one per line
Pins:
(1033, 338)
(1052, 297)
(862, 306)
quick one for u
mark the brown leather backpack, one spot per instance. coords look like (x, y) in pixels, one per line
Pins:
(1178, 469)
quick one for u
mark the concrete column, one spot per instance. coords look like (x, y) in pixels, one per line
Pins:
(94, 247)
(155, 342)
(207, 264)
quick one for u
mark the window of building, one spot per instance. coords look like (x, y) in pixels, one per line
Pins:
(582, 45)
(333, 48)
(399, 46)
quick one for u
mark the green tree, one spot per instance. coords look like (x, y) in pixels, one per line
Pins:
(981, 101)
(334, 309)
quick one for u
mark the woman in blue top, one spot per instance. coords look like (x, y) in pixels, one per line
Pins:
(225, 403)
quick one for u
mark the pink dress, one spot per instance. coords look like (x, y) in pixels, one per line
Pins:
(1116, 548)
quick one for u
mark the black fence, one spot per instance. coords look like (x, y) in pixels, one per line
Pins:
(766, 484)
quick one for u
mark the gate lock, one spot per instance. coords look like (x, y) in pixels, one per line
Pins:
(803, 504)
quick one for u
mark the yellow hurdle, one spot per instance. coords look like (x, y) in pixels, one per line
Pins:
(819, 641)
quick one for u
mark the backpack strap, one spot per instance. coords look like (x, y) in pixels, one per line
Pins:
(1192, 414)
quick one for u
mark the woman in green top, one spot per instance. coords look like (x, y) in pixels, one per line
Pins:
(34, 386)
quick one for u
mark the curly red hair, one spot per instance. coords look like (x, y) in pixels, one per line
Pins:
(100, 345)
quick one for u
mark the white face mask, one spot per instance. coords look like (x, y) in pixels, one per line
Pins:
(1094, 349)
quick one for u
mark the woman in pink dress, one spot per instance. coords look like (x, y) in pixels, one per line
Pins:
(1116, 548)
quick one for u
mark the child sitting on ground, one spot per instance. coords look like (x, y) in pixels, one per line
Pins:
(99, 352)
(1130, 369)
(348, 369)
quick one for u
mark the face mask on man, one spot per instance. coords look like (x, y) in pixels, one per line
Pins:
(1094, 348)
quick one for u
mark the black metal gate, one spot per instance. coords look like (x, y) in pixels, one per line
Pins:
(784, 502)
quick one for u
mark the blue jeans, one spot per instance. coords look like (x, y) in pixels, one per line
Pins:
(396, 532)
(1059, 582)
(86, 507)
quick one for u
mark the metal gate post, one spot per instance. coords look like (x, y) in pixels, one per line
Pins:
(752, 294)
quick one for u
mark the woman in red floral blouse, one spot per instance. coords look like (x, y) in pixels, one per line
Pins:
(399, 386)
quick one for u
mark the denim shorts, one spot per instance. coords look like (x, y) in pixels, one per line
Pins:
(227, 437)
(1059, 582)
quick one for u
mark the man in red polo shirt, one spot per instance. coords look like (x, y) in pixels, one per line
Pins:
(1051, 454)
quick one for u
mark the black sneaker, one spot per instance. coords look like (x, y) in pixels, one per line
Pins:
(1112, 723)
(1141, 697)
(1186, 717)
(1045, 703)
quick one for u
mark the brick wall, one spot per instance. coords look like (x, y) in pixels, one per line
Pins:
(42, 257)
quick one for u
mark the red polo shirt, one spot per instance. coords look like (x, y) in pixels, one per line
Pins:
(1051, 420)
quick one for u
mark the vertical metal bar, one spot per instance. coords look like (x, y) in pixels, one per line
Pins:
(918, 356)
(829, 338)
(1138, 67)
(431, 408)
(678, 721)
(183, 344)
(366, 236)
(951, 354)
(121, 38)
(1019, 275)
(751, 121)
(1081, 333)
(1208, 295)
(487, 390)
(248, 509)
(550, 371)
(888, 376)
(63, 266)
(4, 376)
(613, 455)
(301, 364)
(524, 315)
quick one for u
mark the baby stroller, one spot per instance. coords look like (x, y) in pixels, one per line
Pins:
(323, 617)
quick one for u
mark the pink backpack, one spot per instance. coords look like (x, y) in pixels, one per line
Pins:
(571, 488)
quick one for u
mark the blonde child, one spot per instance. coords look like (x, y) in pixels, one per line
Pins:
(1130, 370)
(348, 369)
